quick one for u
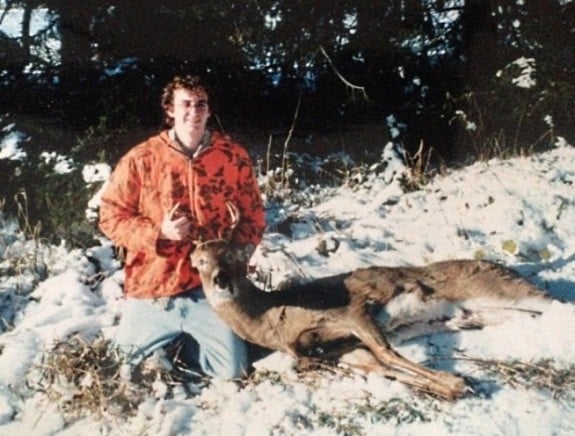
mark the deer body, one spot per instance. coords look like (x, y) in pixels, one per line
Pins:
(344, 316)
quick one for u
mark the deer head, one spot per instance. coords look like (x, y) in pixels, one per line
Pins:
(220, 262)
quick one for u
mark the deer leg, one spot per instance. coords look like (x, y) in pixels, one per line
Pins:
(335, 341)
(364, 360)
(444, 384)
(396, 366)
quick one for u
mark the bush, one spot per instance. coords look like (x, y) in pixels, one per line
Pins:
(44, 188)
(518, 112)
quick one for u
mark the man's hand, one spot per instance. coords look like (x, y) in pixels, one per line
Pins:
(175, 228)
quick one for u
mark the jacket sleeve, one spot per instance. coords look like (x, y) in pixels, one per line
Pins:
(252, 222)
(119, 218)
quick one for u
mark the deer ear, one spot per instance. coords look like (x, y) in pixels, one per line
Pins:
(195, 258)
(193, 261)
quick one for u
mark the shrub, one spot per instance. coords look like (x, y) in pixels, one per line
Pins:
(517, 112)
(43, 185)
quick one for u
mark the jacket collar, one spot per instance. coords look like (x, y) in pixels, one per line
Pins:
(176, 144)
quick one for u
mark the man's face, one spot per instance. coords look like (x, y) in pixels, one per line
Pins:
(190, 111)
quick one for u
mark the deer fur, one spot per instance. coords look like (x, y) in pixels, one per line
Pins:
(346, 317)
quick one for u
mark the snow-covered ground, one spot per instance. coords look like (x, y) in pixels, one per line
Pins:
(519, 212)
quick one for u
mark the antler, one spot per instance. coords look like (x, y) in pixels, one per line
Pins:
(235, 215)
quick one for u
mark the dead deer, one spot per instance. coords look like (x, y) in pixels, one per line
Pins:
(337, 317)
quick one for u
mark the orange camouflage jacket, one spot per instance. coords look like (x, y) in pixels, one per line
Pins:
(149, 181)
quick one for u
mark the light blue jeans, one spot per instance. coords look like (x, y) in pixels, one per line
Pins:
(149, 324)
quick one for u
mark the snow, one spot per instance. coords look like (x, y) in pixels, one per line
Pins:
(62, 164)
(10, 144)
(526, 69)
(519, 212)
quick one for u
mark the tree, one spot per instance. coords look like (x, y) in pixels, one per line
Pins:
(416, 59)
(26, 58)
(518, 93)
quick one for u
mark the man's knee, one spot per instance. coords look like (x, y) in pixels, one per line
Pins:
(228, 363)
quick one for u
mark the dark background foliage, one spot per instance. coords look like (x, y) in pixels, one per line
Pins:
(348, 63)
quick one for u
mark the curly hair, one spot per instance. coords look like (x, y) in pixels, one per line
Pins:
(189, 82)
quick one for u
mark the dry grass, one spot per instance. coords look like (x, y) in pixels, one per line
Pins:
(348, 420)
(89, 378)
(420, 170)
(543, 375)
(86, 378)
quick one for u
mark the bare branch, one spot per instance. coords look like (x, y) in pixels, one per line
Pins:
(286, 143)
(340, 76)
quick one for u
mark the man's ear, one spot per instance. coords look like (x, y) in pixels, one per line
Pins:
(169, 110)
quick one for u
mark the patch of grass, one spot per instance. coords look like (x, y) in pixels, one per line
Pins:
(544, 375)
(398, 411)
(338, 422)
(360, 408)
(91, 378)
(420, 172)
(395, 411)
(85, 378)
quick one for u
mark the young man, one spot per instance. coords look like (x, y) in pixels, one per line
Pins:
(164, 195)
